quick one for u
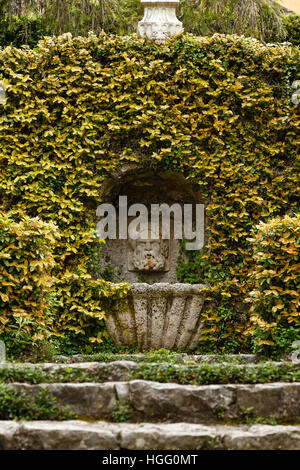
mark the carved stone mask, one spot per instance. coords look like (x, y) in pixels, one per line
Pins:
(146, 254)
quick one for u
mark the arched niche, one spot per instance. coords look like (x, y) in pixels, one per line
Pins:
(145, 260)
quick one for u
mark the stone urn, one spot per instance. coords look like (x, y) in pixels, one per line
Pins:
(160, 21)
(160, 315)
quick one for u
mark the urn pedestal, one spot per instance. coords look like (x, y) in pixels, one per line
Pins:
(160, 21)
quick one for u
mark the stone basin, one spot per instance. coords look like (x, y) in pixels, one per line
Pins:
(160, 315)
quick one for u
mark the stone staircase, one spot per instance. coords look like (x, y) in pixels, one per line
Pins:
(114, 407)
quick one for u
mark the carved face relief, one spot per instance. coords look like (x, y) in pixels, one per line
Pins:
(148, 255)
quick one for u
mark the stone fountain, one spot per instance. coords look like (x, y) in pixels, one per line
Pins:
(159, 312)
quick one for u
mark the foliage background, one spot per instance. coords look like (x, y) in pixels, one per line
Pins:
(217, 109)
(27, 21)
(292, 26)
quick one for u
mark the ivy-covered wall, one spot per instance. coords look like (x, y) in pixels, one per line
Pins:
(217, 109)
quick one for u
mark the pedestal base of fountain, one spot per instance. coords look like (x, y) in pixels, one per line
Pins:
(159, 316)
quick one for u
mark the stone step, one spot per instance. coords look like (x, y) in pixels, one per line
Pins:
(80, 435)
(141, 400)
(97, 371)
(168, 357)
(195, 373)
